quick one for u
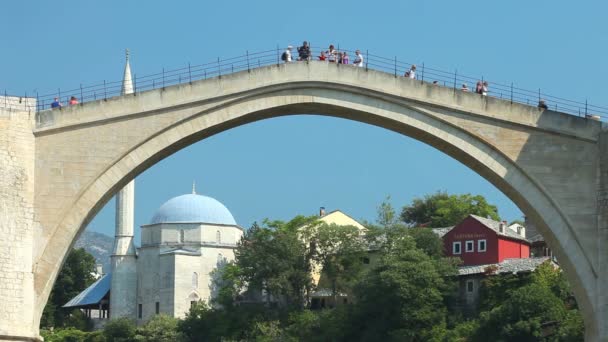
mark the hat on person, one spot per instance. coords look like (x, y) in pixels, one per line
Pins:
(289, 47)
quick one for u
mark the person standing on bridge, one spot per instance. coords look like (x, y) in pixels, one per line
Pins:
(286, 56)
(56, 103)
(322, 57)
(484, 88)
(73, 101)
(358, 59)
(464, 88)
(479, 88)
(345, 59)
(332, 54)
(304, 52)
(411, 73)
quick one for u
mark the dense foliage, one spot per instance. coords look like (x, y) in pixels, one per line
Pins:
(400, 286)
(75, 276)
(443, 210)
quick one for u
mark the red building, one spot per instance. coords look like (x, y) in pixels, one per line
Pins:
(480, 241)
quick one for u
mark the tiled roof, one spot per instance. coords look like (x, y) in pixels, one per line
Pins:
(494, 225)
(442, 231)
(506, 266)
(92, 294)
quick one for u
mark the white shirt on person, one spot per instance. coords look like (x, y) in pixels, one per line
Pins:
(358, 60)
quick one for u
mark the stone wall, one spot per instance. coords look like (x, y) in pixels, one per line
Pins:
(16, 225)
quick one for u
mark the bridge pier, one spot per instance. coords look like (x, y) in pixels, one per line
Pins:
(602, 241)
(18, 321)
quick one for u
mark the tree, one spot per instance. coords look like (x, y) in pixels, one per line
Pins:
(403, 297)
(339, 252)
(75, 276)
(275, 259)
(522, 316)
(161, 328)
(443, 210)
(120, 330)
(387, 216)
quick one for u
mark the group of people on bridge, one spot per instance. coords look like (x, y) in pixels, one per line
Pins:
(332, 55)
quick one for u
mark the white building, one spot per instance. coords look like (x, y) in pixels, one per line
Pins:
(188, 237)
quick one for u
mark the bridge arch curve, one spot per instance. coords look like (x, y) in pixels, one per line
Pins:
(465, 135)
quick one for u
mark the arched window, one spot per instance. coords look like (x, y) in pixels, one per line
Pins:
(218, 237)
(195, 280)
(181, 236)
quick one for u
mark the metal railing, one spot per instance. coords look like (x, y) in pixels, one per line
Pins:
(251, 60)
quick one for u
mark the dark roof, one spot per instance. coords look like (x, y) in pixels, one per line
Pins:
(494, 225)
(506, 266)
(93, 294)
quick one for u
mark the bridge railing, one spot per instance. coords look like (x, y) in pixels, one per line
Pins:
(250, 60)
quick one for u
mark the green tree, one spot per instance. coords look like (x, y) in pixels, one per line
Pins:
(75, 276)
(386, 215)
(442, 210)
(403, 297)
(339, 252)
(522, 315)
(161, 328)
(120, 330)
(275, 259)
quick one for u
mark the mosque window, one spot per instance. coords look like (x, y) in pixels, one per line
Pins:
(218, 237)
(195, 280)
(181, 236)
(157, 308)
(139, 311)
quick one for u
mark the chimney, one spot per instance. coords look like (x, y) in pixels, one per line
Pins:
(501, 226)
(322, 211)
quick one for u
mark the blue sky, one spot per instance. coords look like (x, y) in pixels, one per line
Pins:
(292, 165)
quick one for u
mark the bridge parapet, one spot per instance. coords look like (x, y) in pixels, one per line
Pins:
(314, 74)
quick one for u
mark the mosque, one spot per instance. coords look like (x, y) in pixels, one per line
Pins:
(187, 238)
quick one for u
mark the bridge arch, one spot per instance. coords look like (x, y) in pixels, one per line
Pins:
(462, 134)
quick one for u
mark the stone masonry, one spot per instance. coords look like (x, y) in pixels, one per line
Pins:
(17, 154)
(552, 165)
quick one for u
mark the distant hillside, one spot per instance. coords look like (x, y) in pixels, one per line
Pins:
(99, 245)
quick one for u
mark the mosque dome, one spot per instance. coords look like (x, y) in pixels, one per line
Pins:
(192, 208)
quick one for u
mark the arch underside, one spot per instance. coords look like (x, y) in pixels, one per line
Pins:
(425, 123)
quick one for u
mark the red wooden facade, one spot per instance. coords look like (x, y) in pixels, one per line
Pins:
(477, 241)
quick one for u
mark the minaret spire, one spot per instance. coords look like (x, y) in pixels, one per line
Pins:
(127, 81)
(123, 299)
(194, 187)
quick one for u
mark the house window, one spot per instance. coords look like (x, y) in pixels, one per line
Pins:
(157, 308)
(195, 280)
(139, 311)
(481, 245)
(456, 247)
(469, 286)
(218, 237)
(193, 303)
(470, 246)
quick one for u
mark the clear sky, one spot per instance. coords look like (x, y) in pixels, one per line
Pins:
(286, 166)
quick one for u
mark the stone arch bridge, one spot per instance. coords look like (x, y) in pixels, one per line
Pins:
(59, 167)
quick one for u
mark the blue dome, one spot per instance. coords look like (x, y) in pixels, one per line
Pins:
(193, 208)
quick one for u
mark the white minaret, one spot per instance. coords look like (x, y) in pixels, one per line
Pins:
(123, 292)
